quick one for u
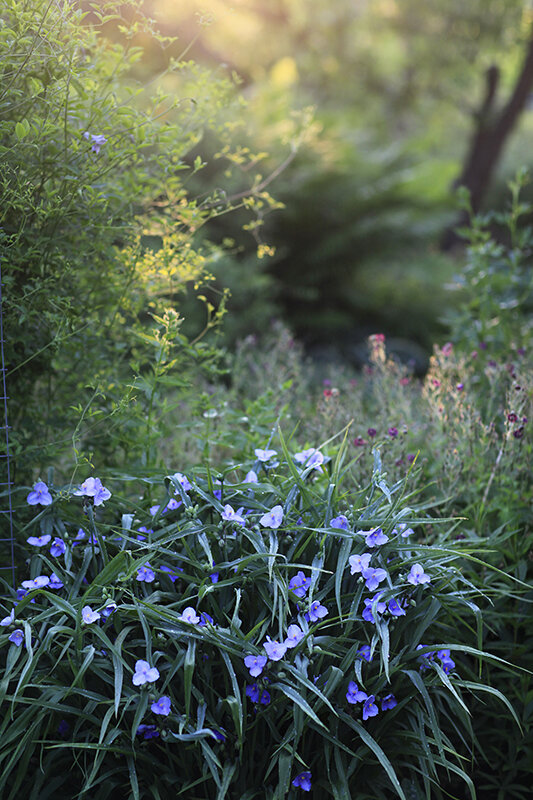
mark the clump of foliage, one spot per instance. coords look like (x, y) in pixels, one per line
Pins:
(255, 632)
(96, 224)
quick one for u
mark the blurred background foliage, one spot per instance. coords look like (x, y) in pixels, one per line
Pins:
(395, 90)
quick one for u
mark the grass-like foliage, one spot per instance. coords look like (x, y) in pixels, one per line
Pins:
(253, 633)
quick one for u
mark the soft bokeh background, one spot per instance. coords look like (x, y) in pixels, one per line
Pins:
(374, 104)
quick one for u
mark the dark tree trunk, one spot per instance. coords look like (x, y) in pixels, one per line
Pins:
(492, 130)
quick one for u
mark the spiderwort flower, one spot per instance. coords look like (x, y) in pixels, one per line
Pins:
(274, 650)
(55, 581)
(145, 574)
(370, 708)
(89, 616)
(376, 537)
(58, 547)
(144, 673)
(368, 612)
(339, 522)
(255, 664)
(92, 487)
(204, 619)
(230, 515)
(171, 571)
(172, 505)
(311, 458)
(447, 662)
(37, 583)
(8, 620)
(109, 609)
(161, 706)
(395, 608)
(251, 477)
(183, 481)
(388, 702)
(253, 692)
(40, 495)
(373, 577)
(354, 694)
(264, 455)
(189, 615)
(273, 518)
(294, 635)
(299, 584)
(316, 611)
(365, 653)
(147, 731)
(303, 781)
(39, 541)
(17, 637)
(359, 563)
(417, 575)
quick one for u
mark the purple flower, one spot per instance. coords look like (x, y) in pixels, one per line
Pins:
(274, 650)
(230, 515)
(447, 662)
(109, 609)
(251, 477)
(393, 432)
(17, 637)
(294, 635)
(339, 522)
(375, 538)
(88, 615)
(395, 608)
(264, 455)
(372, 432)
(58, 547)
(417, 575)
(189, 615)
(55, 582)
(370, 708)
(40, 496)
(373, 577)
(369, 602)
(316, 611)
(204, 619)
(253, 692)
(354, 694)
(97, 139)
(92, 487)
(145, 574)
(171, 571)
(63, 728)
(214, 577)
(299, 584)
(154, 509)
(144, 673)
(8, 620)
(37, 583)
(359, 563)
(388, 702)
(303, 781)
(183, 481)
(147, 731)
(172, 505)
(273, 518)
(161, 706)
(39, 541)
(219, 736)
(365, 653)
(265, 698)
(79, 537)
(255, 664)
(310, 458)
